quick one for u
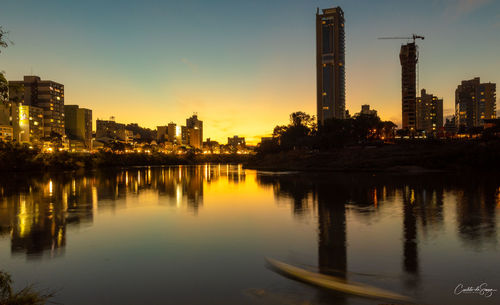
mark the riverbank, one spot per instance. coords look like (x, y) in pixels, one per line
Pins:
(402, 157)
(21, 159)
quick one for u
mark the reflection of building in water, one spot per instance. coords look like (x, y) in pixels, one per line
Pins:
(330, 197)
(422, 202)
(332, 248)
(38, 216)
(36, 211)
(476, 216)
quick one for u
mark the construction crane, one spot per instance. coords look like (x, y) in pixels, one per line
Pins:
(413, 37)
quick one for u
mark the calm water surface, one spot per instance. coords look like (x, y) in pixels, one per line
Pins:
(199, 235)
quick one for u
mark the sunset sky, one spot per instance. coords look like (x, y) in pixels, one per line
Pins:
(243, 66)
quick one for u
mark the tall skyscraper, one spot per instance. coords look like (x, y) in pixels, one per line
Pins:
(330, 64)
(409, 58)
(78, 125)
(429, 113)
(474, 102)
(45, 94)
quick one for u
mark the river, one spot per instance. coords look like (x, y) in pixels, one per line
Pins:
(200, 235)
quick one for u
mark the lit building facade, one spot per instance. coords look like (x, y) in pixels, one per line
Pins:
(6, 133)
(330, 64)
(30, 124)
(111, 130)
(9, 116)
(161, 133)
(474, 103)
(429, 113)
(236, 142)
(45, 94)
(195, 131)
(174, 133)
(78, 125)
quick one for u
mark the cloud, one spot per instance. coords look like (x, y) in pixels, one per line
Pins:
(459, 8)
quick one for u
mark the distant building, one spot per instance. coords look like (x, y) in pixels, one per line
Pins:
(194, 136)
(30, 124)
(408, 57)
(9, 116)
(162, 134)
(196, 131)
(174, 133)
(450, 127)
(365, 110)
(211, 146)
(429, 113)
(78, 125)
(474, 102)
(111, 130)
(45, 94)
(6, 133)
(236, 142)
(330, 64)
(184, 135)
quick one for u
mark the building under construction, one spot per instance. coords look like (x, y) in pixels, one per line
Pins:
(409, 58)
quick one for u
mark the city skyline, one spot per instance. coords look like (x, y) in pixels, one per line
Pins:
(173, 67)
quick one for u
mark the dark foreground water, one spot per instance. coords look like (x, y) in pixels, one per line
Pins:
(199, 235)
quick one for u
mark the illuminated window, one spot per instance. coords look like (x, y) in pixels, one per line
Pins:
(326, 107)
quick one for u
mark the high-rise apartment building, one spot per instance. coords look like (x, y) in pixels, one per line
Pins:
(474, 102)
(195, 127)
(330, 64)
(78, 125)
(408, 57)
(45, 94)
(429, 113)
(174, 133)
(30, 124)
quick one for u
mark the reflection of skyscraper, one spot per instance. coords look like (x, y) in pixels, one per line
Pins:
(330, 64)
(410, 248)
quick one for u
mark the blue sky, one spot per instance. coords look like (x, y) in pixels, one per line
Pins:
(244, 66)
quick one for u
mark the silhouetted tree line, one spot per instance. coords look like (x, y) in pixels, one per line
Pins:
(303, 133)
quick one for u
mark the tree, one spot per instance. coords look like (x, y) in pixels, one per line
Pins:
(4, 85)
(4, 89)
(4, 41)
